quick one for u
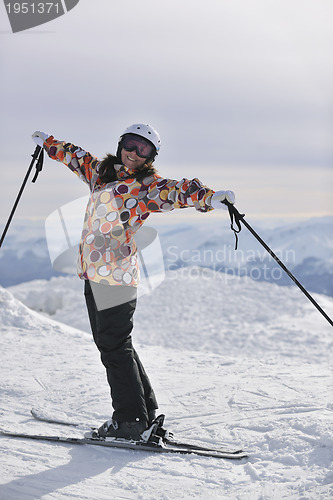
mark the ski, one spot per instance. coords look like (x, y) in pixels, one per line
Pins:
(41, 416)
(192, 446)
(126, 444)
(38, 414)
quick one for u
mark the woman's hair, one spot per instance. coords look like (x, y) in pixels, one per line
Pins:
(107, 172)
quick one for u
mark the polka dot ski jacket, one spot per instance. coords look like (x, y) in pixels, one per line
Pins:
(115, 211)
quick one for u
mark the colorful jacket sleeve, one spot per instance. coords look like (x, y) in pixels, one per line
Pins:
(167, 194)
(82, 163)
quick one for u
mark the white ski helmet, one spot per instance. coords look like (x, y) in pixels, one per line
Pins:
(145, 131)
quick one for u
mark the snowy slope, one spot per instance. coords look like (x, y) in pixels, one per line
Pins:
(210, 304)
(235, 362)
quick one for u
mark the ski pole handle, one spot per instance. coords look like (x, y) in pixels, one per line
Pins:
(39, 164)
(235, 218)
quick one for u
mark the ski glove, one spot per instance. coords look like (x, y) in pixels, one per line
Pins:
(39, 138)
(220, 196)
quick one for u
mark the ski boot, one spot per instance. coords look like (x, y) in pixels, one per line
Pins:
(125, 430)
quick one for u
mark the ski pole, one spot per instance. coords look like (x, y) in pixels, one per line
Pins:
(237, 218)
(37, 154)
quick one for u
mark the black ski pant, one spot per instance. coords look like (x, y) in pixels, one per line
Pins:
(131, 392)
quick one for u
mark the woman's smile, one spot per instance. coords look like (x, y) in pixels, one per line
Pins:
(131, 160)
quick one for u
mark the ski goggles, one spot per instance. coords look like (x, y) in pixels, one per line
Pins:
(142, 147)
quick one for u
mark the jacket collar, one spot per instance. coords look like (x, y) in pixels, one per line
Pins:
(122, 171)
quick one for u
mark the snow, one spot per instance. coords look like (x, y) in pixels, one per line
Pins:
(232, 361)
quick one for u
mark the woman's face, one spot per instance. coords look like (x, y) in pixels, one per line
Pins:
(131, 160)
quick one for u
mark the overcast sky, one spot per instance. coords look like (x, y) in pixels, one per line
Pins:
(240, 91)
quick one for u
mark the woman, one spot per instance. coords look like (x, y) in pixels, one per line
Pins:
(125, 189)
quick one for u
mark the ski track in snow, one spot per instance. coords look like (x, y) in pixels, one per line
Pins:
(232, 361)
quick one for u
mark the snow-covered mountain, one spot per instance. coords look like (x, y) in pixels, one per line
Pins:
(305, 247)
(24, 254)
(231, 359)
